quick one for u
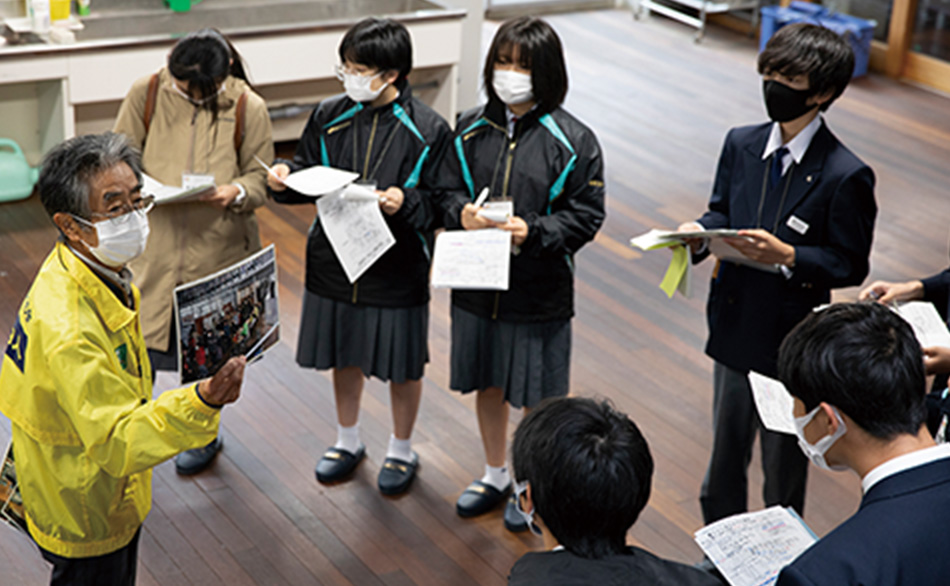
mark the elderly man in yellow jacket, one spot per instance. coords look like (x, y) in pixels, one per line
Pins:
(76, 382)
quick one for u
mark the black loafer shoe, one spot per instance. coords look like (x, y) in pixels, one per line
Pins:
(337, 464)
(514, 522)
(194, 461)
(396, 475)
(480, 498)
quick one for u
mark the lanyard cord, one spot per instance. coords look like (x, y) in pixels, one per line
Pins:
(494, 174)
(382, 153)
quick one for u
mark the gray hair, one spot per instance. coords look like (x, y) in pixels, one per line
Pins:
(70, 166)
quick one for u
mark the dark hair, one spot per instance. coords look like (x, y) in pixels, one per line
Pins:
(204, 59)
(862, 358)
(382, 43)
(70, 166)
(539, 50)
(807, 49)
(589, 469)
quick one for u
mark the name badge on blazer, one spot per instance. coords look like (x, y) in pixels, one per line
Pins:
(797, 224)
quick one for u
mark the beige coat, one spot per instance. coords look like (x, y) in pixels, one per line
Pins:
(191, 240)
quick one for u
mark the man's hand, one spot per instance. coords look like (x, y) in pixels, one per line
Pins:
(886, 292)
(225, 386)
(280, 170)
(695, 244)
(223, 196)
(472, 221)
(392, 200)
(518, 229)
(762, 246)
(936, 360)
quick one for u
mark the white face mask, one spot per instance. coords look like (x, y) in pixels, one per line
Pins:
(816, 452)
(512, 87)
(121, 239)
(358, 87)
(528, 516)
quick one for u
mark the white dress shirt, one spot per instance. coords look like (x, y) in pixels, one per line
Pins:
(902, 463)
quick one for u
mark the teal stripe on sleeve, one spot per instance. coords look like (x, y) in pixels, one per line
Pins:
(401, 115)
(417, 171)
(466, 172)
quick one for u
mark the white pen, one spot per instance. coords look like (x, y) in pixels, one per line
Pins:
(481, 197)
(269, 170)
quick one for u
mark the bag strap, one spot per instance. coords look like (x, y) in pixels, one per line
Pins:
(239, 117)
(150, 99)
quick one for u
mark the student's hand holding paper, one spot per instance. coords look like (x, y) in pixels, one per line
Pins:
(222, 197)
(471, 220)
(936, 360)
(276, 176)
(391, 200)
(762, 246)
(518, 228)
(695, 244)
(886, 292)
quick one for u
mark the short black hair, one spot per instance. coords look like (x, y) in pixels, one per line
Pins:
(204, 58)
(382, 43)
(808, 49)
(539, 50)
(863, 359)
(590, 471)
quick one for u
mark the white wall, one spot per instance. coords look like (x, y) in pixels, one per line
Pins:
(471, 61)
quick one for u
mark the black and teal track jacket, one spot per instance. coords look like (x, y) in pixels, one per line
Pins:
(552, 169)
(399, 144)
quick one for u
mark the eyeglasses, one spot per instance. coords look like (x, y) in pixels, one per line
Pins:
(342, 71)
(123, 214)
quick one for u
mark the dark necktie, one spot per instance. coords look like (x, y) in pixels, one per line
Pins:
(775, 171)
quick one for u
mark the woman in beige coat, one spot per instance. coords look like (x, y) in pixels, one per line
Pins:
(196, 120)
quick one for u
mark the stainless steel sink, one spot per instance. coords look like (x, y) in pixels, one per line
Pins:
(151, 18)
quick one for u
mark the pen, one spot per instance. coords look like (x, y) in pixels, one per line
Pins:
(269, 170)
(481, 197)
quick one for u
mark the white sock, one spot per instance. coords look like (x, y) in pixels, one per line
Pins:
(399, 449)
(348, 438)
(497, 477)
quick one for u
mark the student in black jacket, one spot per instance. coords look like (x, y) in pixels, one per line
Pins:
(514, 347)
(377, 325)
(584, 473)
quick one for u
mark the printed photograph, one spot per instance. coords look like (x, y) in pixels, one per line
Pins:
(233, 312)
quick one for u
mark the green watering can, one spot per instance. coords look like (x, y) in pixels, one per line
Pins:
(17, 178)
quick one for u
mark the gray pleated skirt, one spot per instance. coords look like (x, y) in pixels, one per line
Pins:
(530, 361)
(389, 343)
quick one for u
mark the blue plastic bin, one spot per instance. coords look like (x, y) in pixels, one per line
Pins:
(858, 31)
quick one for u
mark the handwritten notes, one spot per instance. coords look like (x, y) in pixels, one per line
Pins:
(472, 259)
(774, 403)
(751, 549)
(356, 231)
(928, 326)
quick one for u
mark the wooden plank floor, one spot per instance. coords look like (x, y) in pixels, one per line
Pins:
(661, 106)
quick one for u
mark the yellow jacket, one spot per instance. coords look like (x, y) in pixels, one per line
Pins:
(76, 384)
(192, 240)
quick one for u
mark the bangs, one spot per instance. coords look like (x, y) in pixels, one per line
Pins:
(506, 48)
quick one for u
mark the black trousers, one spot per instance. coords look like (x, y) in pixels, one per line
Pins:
(112, 569)
(735, 423)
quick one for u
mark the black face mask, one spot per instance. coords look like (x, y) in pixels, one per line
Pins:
(784, 103)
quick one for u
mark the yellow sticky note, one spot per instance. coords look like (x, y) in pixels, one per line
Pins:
(676, 271)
